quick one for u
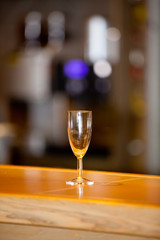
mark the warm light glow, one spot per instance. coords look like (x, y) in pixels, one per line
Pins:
(102, 68)
(6, 129)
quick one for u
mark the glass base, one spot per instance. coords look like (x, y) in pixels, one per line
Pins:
(79, 180)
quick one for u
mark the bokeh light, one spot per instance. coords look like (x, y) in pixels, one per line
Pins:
(75, 69)
(102, 68)
(136, 58)
(96, 38)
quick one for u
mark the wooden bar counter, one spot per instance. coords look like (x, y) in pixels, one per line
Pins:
(36, 203)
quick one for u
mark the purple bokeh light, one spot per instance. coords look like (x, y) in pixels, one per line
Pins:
(75, 69)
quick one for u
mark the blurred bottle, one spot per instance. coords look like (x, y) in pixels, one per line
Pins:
(29, 73)
(57, 135)
(29, 88)
(56, 30)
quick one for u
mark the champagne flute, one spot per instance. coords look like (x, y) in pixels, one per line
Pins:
(79, 134)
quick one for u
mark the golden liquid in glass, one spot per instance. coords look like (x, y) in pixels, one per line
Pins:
(79, 142)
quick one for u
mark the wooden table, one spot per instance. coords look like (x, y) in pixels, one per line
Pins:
(36, 203)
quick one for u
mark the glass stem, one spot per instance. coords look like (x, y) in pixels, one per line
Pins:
(79, 167)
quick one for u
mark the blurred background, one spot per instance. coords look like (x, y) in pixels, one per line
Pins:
(101, 55)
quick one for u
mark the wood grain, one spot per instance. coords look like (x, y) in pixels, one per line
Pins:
(19, 232)
(117, 203)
